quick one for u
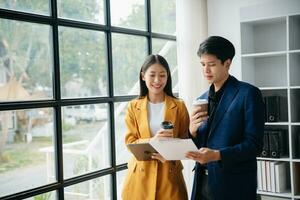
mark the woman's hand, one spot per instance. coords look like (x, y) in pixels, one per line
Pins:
(163, 133)
(160, 134)
(157, 156)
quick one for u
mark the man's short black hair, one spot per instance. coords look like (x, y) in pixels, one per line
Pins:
(222, 48)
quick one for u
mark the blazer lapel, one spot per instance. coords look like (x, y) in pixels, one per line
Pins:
(170, 110)
(143, 118)
(230, 92)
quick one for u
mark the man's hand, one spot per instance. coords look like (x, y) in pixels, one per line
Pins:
(196, 119)
(204, 155)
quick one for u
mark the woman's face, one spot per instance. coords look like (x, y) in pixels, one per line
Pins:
(155, 78)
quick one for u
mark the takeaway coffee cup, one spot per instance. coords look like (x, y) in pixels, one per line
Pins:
(167, 125)
(201, 102)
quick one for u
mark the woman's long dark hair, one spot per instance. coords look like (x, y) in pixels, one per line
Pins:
(150, 60)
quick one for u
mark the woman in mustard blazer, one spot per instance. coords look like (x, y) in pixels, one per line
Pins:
(156, 179)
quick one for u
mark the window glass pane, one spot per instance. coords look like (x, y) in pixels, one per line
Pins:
(82, 10)
(25, 61)
(26, 149)
(128, 53)
(82, 62)
(122, 153)
(120, 182)
(41, 7)
(45, 196)
(163, 16)
(86, 143)
(167, 49)
(128, 14)
(99, 188)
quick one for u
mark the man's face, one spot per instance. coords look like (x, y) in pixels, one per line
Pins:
(214, 71)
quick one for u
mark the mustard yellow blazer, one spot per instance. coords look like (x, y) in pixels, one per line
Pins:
(153, 180)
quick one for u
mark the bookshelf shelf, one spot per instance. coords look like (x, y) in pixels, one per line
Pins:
(270, 58)
(274, 159)
(285, 194)
(256, 69)
(294, 87)
(265, 54)
(294, 51)
(276, 123)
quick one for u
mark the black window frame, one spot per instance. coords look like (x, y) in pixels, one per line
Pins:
(57, 102)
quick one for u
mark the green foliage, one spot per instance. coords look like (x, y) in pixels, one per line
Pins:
(45, 196)
(80, 165)
(171, 55)
(27, 51)
(163, 16)
(91, 10)
(19, 155)
(129, 53)
(66, 126)
(36, 6)
(83, 59)
(82, 52)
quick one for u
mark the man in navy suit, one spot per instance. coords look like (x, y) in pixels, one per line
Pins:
(230, 134)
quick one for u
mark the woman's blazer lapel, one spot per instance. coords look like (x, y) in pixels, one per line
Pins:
(142, 118)
(170, 109)
(142, 114)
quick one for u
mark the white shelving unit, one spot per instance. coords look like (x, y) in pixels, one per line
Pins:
(270, 57)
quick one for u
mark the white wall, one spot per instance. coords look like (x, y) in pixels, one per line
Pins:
(190, 33)
(224, 18)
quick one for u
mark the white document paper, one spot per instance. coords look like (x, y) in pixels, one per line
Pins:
(173, 148)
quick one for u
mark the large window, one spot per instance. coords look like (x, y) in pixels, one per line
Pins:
(67, 71)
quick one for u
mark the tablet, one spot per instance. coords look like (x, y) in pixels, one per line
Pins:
(141, 151)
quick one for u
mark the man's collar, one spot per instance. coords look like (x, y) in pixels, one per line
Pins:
(212, 94)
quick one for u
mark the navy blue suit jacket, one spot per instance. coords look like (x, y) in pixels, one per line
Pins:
(237, 131)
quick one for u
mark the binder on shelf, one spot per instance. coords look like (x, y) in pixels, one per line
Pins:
(265, 149)
(297, 144)
(273, 108)
(272, 172)
(278, 143)
(259, 176)
(275, 143)
(263, 175)
(268, 176)
(280, 177)
(297, 178)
